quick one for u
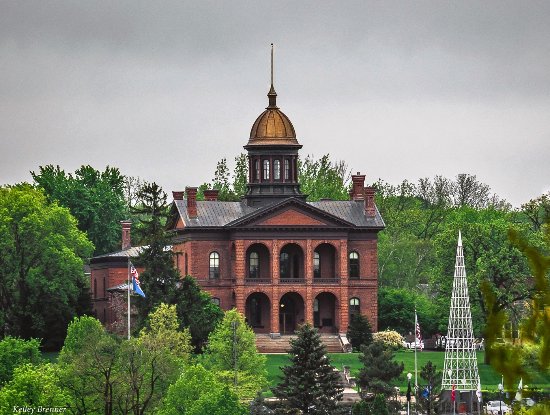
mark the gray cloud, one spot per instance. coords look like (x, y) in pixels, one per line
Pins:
(165, 89)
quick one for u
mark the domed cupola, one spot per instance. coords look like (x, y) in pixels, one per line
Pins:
(272, 155)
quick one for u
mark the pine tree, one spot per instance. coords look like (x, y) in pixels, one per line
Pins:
(428, 394)
(379, 369)
(359, 331)
(310, 383)
(160, 277)
(258, 407)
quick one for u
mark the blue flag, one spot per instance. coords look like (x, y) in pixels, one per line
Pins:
(426, 392)
(135, 281)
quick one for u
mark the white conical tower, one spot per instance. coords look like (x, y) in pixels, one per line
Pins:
(460, 368)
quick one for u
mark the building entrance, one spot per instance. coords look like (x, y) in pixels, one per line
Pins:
(291, 313)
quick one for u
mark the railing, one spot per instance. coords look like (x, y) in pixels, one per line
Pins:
(326, 280)
(292, 281)
(257, 281)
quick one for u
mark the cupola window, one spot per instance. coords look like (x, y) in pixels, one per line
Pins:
(257, 170)
(277, 170)
(266, 169)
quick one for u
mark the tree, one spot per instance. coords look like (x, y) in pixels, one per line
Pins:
(196, 311)
(15, 352)
(359, 331)
(96, 199)
(258, 407)
(537, 211)
(198, 392)
(379, 369)
(42, 281)
(160, 278)
(89, 367)
(320, 179)
(231, 352)
(152, 362)
(428, 396)
(32, 386)
(310, 383)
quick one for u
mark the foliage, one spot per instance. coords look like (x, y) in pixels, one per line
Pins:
(159, 280)
(323, 179)
(231, 187)
(32, 386)
(537, 211)
(535, 327)
(359, 331)
(396, 312)
(379, 369)
(96, 199)
(428, 394)
(379, 406)
(15, 352)
(89, 367)
(42, 281)
(389, 338)
(309, 383)
(196, 311)
(231, 352)
(162, 331)
(198, 392)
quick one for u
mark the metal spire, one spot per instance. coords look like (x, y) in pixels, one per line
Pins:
(272, 95)
(460, 367)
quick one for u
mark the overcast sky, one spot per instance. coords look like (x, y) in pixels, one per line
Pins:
(163, 90)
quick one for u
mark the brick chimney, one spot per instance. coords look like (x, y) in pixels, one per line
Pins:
(357, 191)
(211, 195)
(126, 234)
(191, 201)
(177, 195)
(369, 201)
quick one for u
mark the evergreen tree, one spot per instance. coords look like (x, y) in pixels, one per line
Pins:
(160, 277)
(196, 311)
(379, 369)
(310, 383)
(429, 393)
(258, 407)
(359, 332)
(379, 405)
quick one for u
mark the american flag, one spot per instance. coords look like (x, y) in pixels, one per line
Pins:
(135, 280)
(418, 335)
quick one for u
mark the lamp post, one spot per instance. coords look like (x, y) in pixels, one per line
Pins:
(409, 376)
(500, 389)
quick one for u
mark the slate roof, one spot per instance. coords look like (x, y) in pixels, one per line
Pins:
(131, 252)
(219, 214)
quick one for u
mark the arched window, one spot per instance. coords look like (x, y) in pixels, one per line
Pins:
(276, 169)
(354, 265)
(316, 265)
(354, 307)
(257, 169)
(216, 300)
(214, 266)
(266, 170)
(284, 265)
(253, 265)
(287, 169)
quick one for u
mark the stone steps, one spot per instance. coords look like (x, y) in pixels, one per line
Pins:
(265, 344)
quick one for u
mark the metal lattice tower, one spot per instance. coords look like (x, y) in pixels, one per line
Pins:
(460, 350)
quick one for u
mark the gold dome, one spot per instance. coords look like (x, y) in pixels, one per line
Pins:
(272, 127)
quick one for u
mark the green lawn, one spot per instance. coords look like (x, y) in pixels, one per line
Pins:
(489, 378)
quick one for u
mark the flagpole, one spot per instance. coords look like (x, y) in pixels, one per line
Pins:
(128, 298)
(415, 347)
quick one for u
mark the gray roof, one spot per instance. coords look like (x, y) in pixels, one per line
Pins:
(220, 214)
(131, 252)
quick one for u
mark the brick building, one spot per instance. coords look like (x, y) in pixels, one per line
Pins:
(277, 258)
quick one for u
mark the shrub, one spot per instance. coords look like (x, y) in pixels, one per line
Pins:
(389, 338)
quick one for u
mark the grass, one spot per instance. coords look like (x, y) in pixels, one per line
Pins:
(489, 378)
